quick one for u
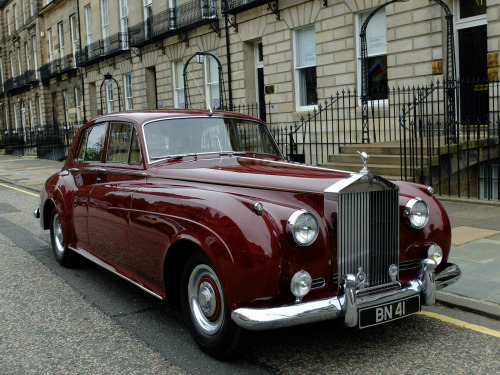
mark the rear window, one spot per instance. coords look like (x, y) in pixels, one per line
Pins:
(92, 144)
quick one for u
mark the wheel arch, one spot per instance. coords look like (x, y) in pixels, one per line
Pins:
(175, 259)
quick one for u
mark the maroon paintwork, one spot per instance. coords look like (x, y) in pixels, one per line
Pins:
(141, 219)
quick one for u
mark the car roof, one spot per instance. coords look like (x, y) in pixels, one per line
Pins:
(140, 117)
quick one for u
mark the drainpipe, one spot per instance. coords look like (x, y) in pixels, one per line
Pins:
(228, 55)
(81, 73)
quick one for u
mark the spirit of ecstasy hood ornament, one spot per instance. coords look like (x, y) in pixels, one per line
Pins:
(363, 156)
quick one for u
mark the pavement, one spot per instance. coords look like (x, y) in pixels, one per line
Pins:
(475, 237)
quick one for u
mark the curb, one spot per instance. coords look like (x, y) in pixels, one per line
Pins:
(485, 308)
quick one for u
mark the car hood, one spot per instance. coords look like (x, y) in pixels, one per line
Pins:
(250, 172)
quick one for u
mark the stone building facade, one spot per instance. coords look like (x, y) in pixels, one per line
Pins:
(54, 54)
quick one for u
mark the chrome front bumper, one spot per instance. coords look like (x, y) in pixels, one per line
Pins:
(347, 305)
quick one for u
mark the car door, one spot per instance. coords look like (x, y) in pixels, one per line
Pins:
(109, 208)
(85, 173)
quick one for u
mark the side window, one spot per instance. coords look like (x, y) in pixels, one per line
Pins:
(82, 145)
(135, 149)
(123, 145)
(95, 142)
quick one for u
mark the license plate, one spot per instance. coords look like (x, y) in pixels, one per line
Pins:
(390, 311)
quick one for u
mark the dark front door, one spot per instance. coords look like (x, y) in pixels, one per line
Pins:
(261, 93)
(473, 75)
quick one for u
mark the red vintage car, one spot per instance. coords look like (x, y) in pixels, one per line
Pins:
(202, 206)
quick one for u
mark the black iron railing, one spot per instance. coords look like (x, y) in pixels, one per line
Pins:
(452, 152)
(237, 6)
(57, 67)
(103, 48)
(173, 21)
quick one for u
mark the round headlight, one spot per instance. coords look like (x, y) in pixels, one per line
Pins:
(417, 212)
(303, 227)
(301, 284)
(435, 253)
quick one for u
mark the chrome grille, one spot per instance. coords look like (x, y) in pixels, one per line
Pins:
(368, 234)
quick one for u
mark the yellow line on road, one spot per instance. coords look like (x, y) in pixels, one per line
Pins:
(462, 324)
(21, 190)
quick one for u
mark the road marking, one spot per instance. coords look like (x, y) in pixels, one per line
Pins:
(21, 190)
(461, 323)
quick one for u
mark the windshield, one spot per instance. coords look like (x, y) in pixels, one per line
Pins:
(197, 135)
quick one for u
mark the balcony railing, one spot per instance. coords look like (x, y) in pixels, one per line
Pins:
(57, 67)
(173, 21)
(238, 6)
(104, 48)
(20, 82)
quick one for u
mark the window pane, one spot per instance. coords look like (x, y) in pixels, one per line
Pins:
(306, 47)
(135, 149)
(119, 142)
(376, 33)
(308, 86)
(95, 143)
(471, 8)
(377, 77)
(81, 146)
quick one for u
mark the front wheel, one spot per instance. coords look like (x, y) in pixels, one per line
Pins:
(206, 312)
(62, 253)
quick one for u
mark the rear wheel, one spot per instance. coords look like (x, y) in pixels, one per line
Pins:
(62, 253)
(206, 312)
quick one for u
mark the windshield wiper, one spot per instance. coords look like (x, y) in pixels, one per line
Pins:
(170, 157)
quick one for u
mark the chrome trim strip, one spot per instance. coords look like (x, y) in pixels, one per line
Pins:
(346, 306)
(342, 184)
(111, 269)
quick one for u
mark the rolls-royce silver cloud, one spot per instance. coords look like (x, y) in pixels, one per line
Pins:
(203, 207)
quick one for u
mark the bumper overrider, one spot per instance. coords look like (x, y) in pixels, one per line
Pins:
(348, 305)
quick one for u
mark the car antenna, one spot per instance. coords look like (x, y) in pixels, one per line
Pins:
(201, 92)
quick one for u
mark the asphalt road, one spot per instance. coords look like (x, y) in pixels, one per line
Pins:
(87, 321)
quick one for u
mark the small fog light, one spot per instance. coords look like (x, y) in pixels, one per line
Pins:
(301, 284)
(393, 272)
(435, 253)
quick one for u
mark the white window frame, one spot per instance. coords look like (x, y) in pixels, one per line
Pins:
(16, 17)
(110, 100)
(65, 105)
(88, 24)
(129, 99)
(24, 123)
(359, 24)
(34, 50)
(105, 24)
(2, 77)
(124, 23)
(19, 60)
(9, 23)
(7, 119)
(148, 12)
(209, 82)
(60, 33)
(50, 38)
(32, 8)
(464, 23)
(27, 55)
(16, 119)
(258, 65)
(32, 115)
(78, 104)
(74, 37)
(297, 70)
(23, 9)
(12, 66)
(178, 84)
(40, 108)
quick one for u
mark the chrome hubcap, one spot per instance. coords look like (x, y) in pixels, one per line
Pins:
(58, 235)
(205, 299)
